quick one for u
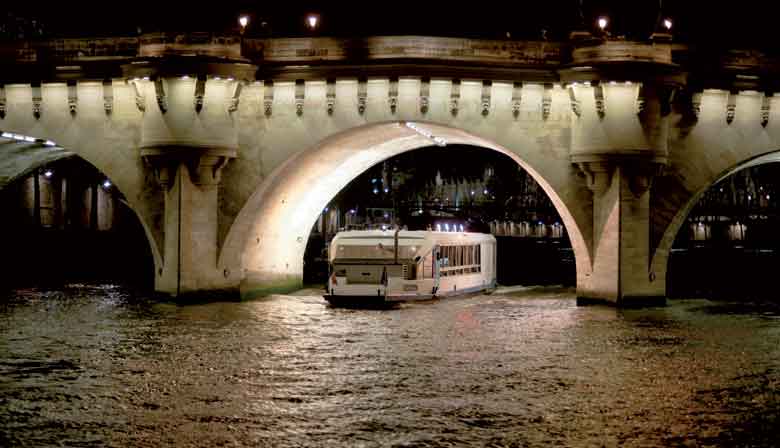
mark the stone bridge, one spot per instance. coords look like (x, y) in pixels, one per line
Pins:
(228, 148)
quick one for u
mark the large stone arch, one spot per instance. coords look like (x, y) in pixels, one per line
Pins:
(267, 240)
(108, 141)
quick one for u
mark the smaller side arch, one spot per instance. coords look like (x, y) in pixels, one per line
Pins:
(660, 260)
(22, 157)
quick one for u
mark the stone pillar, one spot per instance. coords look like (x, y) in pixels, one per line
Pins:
(188, 88)
(621, 241)
(621, 95)
(190, 180)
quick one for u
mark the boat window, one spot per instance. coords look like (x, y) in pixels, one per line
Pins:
(377, 251)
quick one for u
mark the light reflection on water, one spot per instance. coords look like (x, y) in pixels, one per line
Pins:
(95, 365)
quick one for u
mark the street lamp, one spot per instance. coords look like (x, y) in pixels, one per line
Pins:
(312, 20)
(602, 22)
(243, 21)
(668, 24)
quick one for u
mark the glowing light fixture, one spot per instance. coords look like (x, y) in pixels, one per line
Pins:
(48, 173)
(312, 20)
(243, 21)
(602, 22)
(49, 143)
(668, 24)
(427, 134)
(106, 183)
(7, 135)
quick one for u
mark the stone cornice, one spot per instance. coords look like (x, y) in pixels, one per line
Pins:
(386, 56)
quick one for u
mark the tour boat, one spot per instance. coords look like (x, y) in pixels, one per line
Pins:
(370, 267)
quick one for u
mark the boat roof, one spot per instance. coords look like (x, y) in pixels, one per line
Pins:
(356, 235)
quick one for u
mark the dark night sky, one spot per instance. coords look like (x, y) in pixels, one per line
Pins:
(748, 22)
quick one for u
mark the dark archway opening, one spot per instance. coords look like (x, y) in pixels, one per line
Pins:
(446, 188)
(729, 246)
(66, 222)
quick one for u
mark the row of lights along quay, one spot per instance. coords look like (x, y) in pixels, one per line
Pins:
(583, 195)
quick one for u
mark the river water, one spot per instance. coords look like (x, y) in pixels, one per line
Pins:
(98, 365)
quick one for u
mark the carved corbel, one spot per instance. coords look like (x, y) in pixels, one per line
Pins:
(164, 170)
(696, 104)
(766, 107)
(598, 96)
(206, 170)
(73, 98)
(140, 99)
(159, 92)
(392, 94)
(235, 97)
(425, 92)
(362, 95)
(598, 175)
(37, 100)
(200, 93)
(300, 95)
(731, 107)
(575, 103)
(2, 102)
(486, 91)
(546, 101)
(268, 97)
(455, 97)
(517, 97)
(330, 95)
(108, 96)
(641, 176)
(640, 99)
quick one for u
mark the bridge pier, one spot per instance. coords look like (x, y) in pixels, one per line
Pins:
(620, 141)
(190, 178)
(622, 255)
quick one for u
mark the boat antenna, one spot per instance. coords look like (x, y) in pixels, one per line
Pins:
(395, 244)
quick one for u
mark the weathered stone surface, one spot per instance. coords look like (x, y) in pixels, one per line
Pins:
(230, 149)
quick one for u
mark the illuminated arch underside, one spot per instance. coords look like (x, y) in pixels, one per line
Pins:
(270, 234)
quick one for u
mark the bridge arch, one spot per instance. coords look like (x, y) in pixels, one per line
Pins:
(24, 154)
(268, 238)
(660, 261)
